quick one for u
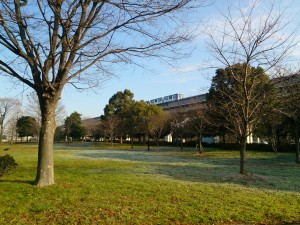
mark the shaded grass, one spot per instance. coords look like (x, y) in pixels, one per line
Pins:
(164, 186)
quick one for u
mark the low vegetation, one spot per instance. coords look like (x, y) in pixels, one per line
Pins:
(100, 185)
(7, 163)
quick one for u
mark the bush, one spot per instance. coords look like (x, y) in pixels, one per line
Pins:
(7, 163)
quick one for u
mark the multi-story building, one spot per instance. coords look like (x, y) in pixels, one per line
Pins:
(178, 102)
(169, 98)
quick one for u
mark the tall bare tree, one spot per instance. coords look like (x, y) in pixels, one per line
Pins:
(51, 43)
(110, 125)
(251, 36)
(12, 123)
(199, 121)
(7, 108)
(93, 128)
(178, 122)
(161, 125)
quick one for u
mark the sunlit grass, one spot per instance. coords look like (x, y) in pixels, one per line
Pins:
(96, 185)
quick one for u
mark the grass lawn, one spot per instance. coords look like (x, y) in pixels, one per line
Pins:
(102, 185)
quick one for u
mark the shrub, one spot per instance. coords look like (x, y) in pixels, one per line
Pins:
(7, 163)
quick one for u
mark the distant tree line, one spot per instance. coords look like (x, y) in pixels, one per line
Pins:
(263, 107)
(52, 43)
(242, 101)
(23, 122)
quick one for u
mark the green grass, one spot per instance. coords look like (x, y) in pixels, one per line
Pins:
(100, 185)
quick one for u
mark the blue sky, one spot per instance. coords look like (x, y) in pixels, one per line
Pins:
(158, 79)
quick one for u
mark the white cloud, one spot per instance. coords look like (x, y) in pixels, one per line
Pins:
(187, 69)
(180, 79)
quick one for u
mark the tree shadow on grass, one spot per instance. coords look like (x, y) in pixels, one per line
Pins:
(275, 173)
(222, 174)
(17, 181)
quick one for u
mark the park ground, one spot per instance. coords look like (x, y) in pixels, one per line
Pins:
(103, 185)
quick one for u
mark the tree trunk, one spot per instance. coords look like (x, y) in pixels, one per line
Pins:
(1, 129)
(273, 139)
(122, 130)
(112, 140)
(243, 155)
(144, 139)
(132, 144)
(121, 137)
(297, 143)
(68, 139)
(45, 169)
(181, 142)
(200, 144)
(148, 142)
(131, 138)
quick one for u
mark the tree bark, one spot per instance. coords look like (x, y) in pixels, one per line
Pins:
(200, 144)
(131, 143)
(243, 155)
(121, 136)
(148, 142)
(45, 169)
(1, 127)
(181, 142)
(112, 140)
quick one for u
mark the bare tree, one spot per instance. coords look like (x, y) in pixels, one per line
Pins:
(250, 37)
(51, 43)
(12, 123)
(7, 108)
(110, 125)
(93, 128)
(199, 120)
(161, 122)
(178, 123)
